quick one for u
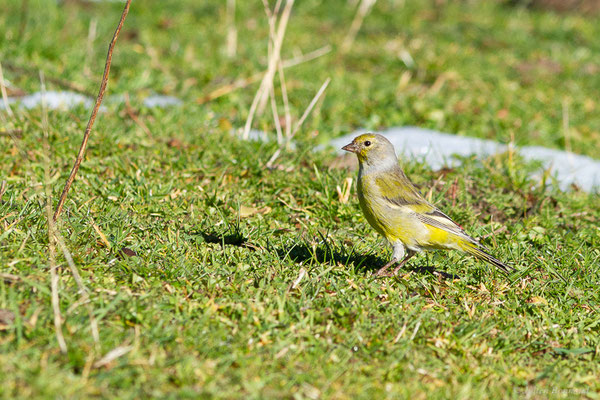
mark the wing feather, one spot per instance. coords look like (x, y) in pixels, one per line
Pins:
(440, 220)
(398, 192)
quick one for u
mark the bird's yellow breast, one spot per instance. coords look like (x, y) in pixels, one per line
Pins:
(393, 223)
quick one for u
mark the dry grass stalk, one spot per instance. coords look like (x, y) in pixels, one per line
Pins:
(9, 278)
(130, 112)
(56, 238)
(100, 233)
(84, 292)
(54, 283)
(565, 121)
(272, 20)
(2, 189)
(230, 87)
(57, 81)
(13, 133)
(276, 39)
(263, 91)
(286, 103)
(89, 46)
(54, 278)
(24, 14)
(244, 82)
(311, 105)
(298, 279)
(275, 117)
(113, 355)
(306, 57)
(344, 191)
(231, 42)
(361, 13)
(4, 94)
(88, 129)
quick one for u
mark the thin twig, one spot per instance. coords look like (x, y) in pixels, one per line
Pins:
(90, 124)
(54, 278)
(361, 13)
(263, 92)
(4, 94)
(269, 163)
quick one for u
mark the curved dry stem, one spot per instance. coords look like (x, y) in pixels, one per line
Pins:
(88, 129)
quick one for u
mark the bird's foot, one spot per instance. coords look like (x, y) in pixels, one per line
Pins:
(383, 273)
(383, 270)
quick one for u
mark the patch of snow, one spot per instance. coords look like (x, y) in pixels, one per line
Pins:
(439, 149)
(65, 100)
(161, 101)
(62, 100)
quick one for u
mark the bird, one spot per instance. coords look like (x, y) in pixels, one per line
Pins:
(395, 208)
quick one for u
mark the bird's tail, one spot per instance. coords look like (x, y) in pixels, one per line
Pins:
(481, 253)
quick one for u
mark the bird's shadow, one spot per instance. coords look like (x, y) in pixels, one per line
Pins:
(365, 263)
(234, 239)
(323, 254)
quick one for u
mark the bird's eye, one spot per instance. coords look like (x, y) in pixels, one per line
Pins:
(367, 143)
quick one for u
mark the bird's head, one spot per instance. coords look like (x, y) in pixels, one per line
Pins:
(372, 149)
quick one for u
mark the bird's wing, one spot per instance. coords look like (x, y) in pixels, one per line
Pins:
(438, 219)
(400, 193)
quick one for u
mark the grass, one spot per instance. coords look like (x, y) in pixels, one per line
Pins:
(200, 284)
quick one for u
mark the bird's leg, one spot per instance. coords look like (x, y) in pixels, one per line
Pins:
(396, 256)
(409, 254)
(381, 271)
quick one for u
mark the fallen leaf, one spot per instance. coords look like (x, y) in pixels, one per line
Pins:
(112, 355)
(175, 143)
(9, 278)
(538, 300)
(126, 251)
(246, 211)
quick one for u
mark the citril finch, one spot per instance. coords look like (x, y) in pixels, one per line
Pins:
(395, 208)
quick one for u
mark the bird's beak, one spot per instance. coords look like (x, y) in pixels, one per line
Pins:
(352, 148)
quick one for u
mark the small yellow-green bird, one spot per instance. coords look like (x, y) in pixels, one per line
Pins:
(395, 208)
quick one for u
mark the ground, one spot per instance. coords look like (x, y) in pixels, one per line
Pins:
(213, 276)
